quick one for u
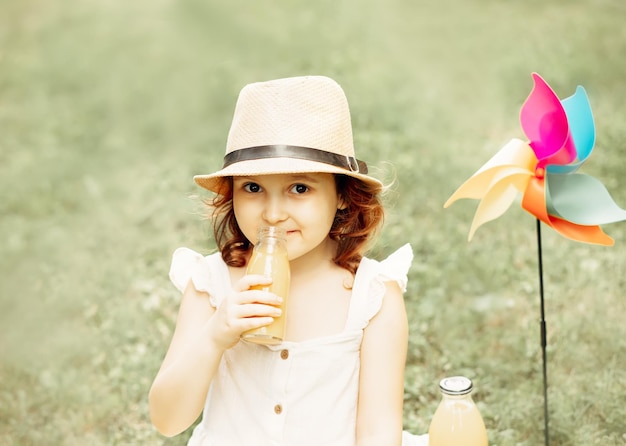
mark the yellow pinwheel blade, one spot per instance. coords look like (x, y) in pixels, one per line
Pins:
(508, 183)
(515, 155)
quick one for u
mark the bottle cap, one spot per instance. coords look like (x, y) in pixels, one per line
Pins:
(456, 385)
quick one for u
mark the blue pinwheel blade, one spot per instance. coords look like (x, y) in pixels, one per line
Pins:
(581, 127)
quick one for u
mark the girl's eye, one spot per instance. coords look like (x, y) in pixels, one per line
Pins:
(299, 188)
(252, 187)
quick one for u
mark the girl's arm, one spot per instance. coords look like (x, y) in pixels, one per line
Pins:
(178, 392)
(381, 387)
(201, 336)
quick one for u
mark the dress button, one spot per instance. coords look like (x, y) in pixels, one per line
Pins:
(284, 354)
(278, 409)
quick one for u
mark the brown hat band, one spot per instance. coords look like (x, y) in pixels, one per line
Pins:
(306, 153)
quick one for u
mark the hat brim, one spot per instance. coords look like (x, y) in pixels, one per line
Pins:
(275, 166)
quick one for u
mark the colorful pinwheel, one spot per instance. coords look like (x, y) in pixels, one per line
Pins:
(561, 137)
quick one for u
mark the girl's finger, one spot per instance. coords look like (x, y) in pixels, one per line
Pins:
(257, 310)
(255, 322)
(250, 280)
(256, 297)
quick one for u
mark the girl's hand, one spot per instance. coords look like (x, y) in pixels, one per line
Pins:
(242, 310)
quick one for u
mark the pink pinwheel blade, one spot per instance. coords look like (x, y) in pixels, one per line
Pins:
(545, 123)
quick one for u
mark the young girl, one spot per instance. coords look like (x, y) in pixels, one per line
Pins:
(338, 377)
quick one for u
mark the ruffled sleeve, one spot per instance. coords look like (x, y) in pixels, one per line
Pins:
(188, 265)
(369, 285)
(396, 266)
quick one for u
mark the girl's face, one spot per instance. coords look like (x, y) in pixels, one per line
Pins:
(303, 204)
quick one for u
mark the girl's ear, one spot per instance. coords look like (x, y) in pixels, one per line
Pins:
(341, 203)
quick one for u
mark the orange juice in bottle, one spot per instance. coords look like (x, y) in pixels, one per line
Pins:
(457, 421)
(269, 258)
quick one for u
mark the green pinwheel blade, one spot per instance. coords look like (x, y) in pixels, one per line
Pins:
(581, 199)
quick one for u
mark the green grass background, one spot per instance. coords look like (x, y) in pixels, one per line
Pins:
(107, 109)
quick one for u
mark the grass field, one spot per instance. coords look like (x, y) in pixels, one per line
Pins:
(107, 109)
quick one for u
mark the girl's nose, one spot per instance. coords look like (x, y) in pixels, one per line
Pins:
(275, 210)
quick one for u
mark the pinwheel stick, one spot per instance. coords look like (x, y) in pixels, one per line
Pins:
(544, 342)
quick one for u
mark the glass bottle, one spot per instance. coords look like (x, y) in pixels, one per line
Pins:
(269, 258)
(457, 421)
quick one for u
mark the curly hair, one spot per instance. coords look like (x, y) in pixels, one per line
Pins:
(353, 228)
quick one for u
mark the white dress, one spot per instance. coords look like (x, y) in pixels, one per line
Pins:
(295, 393)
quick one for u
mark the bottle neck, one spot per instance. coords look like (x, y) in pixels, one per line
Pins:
(446, 396)
(271, 234)
(271, 239)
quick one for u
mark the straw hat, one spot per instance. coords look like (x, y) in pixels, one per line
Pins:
(292, 125)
